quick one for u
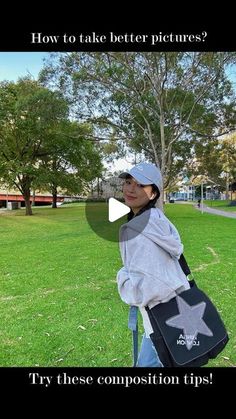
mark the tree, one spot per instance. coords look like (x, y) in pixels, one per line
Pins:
(29, 114)
(214, 160)
(227, 158)
(70, 161)
(155, 103)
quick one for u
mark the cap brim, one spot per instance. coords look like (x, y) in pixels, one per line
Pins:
(138, 177)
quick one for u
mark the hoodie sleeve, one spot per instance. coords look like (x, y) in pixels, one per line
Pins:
(128, 289)
(140, 288)
(150, 274)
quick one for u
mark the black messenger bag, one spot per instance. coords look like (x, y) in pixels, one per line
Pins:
(188, 330)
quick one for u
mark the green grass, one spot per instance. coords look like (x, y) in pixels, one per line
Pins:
(223, 205)
(58, 293)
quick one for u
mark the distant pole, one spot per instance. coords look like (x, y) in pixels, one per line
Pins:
(202, 197)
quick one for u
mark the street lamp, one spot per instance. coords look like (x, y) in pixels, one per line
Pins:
(202, 183)
(202, 197)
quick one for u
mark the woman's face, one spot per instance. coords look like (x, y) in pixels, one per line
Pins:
(136, 195)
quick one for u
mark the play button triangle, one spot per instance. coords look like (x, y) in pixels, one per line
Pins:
(116, 210)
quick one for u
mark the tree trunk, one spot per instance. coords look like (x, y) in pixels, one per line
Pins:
(25, 189)
(54, 197)
(28, 209)
(160, 201)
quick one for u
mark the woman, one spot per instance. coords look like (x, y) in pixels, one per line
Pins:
(150, 247)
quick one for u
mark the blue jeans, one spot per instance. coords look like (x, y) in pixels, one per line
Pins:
(148, 356)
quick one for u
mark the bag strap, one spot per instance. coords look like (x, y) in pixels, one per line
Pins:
(184, 265)
(133, 313)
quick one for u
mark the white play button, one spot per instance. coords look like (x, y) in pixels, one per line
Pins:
(117, 210)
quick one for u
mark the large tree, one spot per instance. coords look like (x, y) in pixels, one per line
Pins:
(214, 162)
(227, 158)
(29, 114)
(155, 103)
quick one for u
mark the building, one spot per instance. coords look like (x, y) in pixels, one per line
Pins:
(106, 188)
(7, 197)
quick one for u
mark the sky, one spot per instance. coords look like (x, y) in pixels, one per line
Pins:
(19, 64)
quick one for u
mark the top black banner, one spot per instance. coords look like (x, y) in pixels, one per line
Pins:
(155, 39)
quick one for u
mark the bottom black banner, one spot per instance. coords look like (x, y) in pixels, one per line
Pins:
(106, 380)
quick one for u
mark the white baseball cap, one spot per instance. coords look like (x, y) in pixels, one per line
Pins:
(146, 174)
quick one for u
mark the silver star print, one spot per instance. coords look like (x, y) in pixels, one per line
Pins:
(190, 320)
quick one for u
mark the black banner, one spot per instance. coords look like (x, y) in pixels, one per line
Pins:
(87, 380)
(89, 37)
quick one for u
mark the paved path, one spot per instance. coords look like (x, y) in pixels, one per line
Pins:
(211, 210)
(218, 212)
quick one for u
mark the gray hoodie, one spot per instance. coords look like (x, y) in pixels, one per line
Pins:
(150, 247)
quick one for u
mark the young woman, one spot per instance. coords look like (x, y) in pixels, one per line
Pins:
(150, 247)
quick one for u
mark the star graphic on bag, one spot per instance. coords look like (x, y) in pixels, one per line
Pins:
(190, 320)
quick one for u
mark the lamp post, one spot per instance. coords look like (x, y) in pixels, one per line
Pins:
(202, 197)
(202, 183)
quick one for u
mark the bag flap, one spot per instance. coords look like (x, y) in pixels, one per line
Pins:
(189, 324)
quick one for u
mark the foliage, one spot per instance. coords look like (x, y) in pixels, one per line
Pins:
(39, 146)
(71, 161)
(158, 104)
(29, 114)
(215, 160)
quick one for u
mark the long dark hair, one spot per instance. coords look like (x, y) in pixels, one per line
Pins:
(150, 204)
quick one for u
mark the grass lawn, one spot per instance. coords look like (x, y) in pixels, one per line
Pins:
(58, 293)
